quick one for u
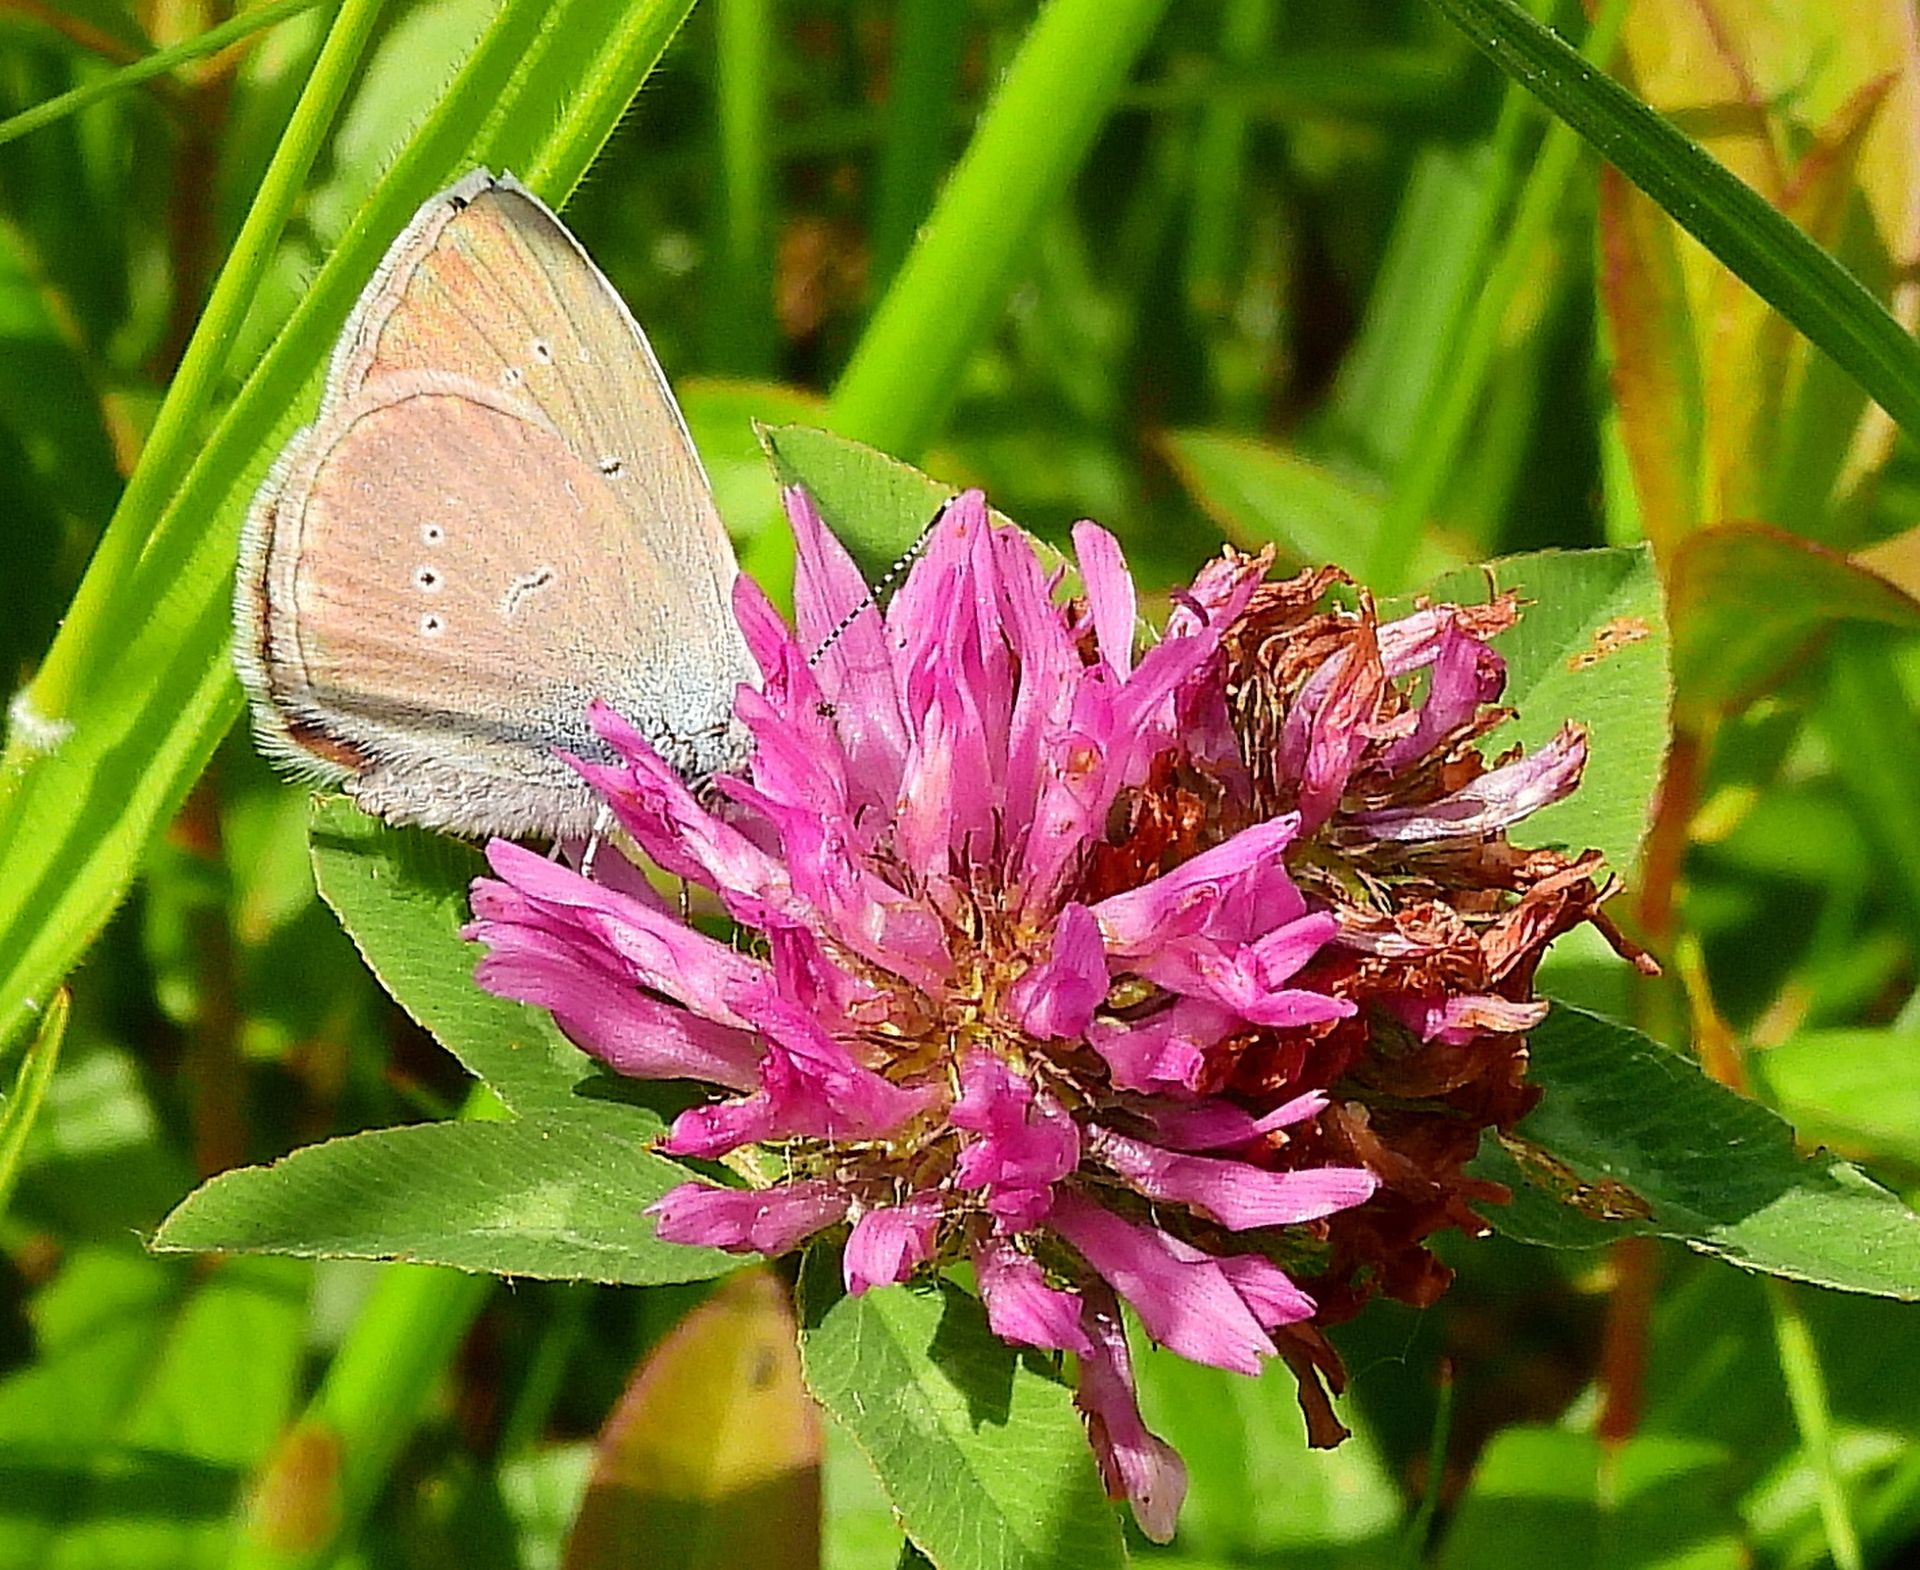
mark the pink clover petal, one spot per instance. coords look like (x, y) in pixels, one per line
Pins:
(1076, 789)
(1021, 1307)
(923, 828)
(1218, 593)
(806, 972)
(958, 681)
(1327, 729)
(1266, 1289)
(603, 1015)
(886, 1243)
(1135, 1464)
(1182, 1296)
(1146, 712)
(721, 1127)
(1110, 596)
(1416, 640)
(1466, 674)
(804, 797)
(1232, 891)
(652, 803)
(831, 1095)
(798, 760)
(1165, 1051)
(766, 635)
(1214, 1123)
(613, 869)
(1246, 978)
(1051, 672)
(837, 621)
(768, 1221)
(1056, 998)
(1237, 1194)
(1027, 1143)
(809, 1086)
(1497, 800)
(652, 947)
(1464, 1017)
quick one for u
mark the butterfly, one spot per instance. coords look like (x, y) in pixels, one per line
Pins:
(496, 516)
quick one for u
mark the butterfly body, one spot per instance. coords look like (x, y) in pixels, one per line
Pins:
(496, 516)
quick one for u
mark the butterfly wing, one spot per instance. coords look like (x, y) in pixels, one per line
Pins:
(497, 515)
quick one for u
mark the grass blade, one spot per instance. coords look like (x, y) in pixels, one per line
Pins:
(541, 93)
(159, 63)
(20, 1109)
(1070, 70)
(1779, 263)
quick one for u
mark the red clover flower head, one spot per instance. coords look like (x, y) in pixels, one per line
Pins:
(1076, 964)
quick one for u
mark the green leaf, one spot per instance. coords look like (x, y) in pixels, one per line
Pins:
(122, 1447)
(21, 1109)
(1868, 720)
(1255, 1492)
(558, 1194)
(981, 1453)
(860, 1531)
(558, 1198)
(1432, 267)
(1727, 412)
(402, 896)
(1259, 493)
(1859, 1089)
(1674, 1154)
(1735, 223)
(1655, 370)
(712, 1457)
(1748, 600)
(725, 418)
(871, 501)
(1591, 646)
(330, 1466)
(1599, 1504)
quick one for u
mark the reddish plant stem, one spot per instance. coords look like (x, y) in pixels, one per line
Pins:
(1624, 1343)
(1666, 852)
(215, 1075)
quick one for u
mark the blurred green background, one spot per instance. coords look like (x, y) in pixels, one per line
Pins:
(1230, 270)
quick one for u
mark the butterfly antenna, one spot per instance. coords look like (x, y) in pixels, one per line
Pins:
(601, 824)
(903, 561)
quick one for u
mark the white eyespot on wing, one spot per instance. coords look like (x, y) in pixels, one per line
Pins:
(542, 351)
(431, 626)
(432, 534)
(512, 377)
(427, 579)
(523, 588)
(612, 465)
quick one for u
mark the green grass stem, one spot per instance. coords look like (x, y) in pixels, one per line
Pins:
(1810, 288)
(1440, 434)
(161, 62)
(1069, 71)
